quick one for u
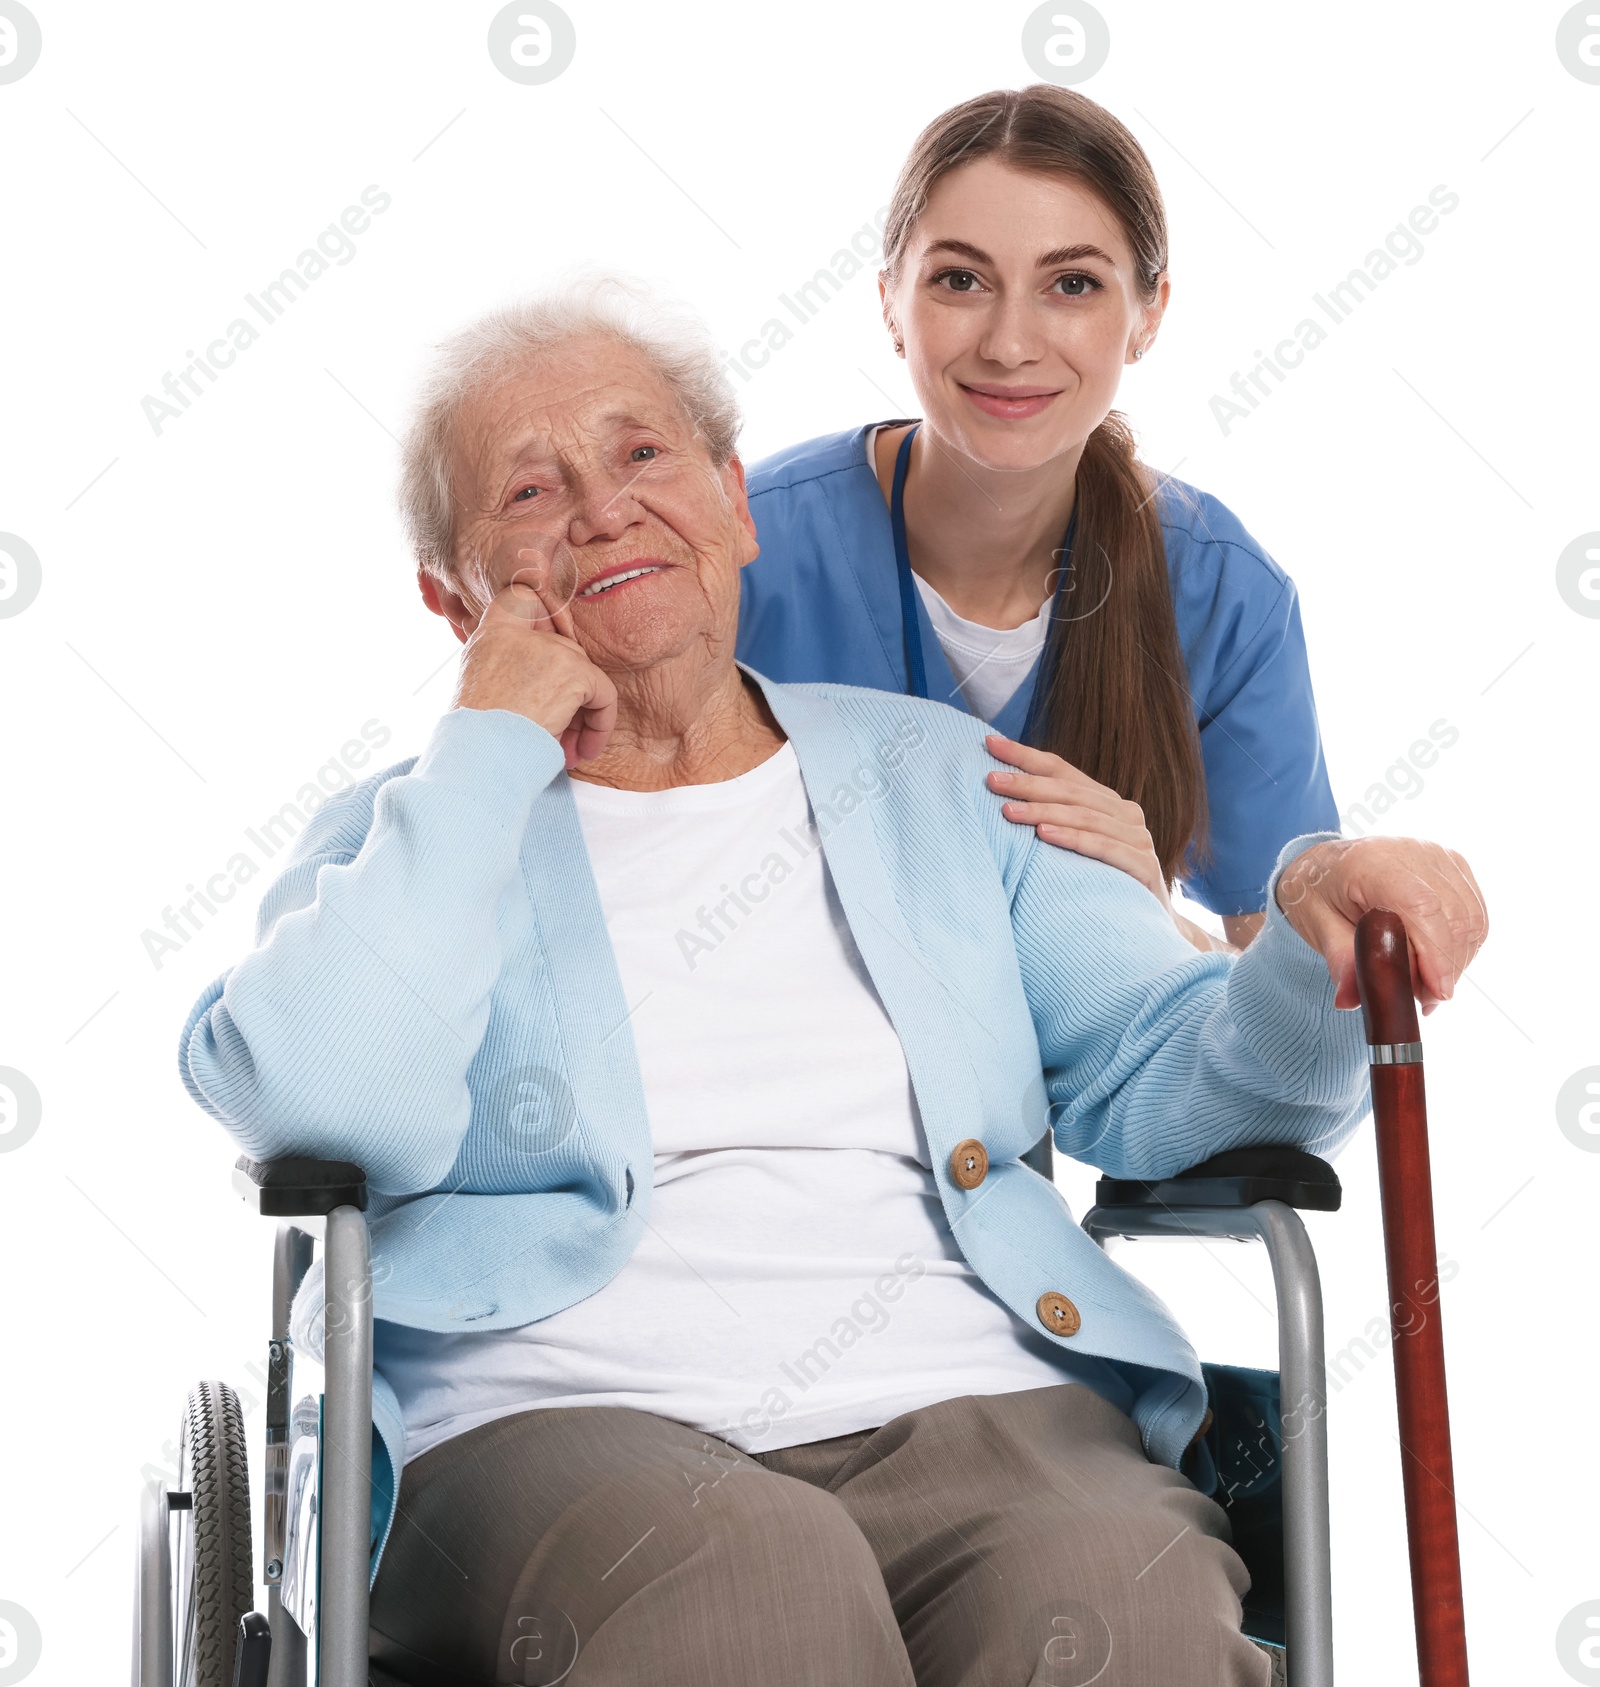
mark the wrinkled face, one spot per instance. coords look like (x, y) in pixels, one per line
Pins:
(583, 475)
(1018, 305)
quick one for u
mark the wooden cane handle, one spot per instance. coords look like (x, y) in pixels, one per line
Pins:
(1383, 969)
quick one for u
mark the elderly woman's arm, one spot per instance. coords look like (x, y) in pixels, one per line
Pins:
(347, 1032)
(1156, 1058)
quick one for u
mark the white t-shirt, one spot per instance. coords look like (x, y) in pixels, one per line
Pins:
(989, 663)
(798, 1278)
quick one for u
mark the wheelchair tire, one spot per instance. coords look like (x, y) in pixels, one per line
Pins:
(213, 1580)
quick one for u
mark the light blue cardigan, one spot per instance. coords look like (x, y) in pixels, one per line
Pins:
(435, 953)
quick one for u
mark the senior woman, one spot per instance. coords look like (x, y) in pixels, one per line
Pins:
(690, 1028)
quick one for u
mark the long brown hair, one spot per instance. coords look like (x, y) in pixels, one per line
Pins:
(1113, 688)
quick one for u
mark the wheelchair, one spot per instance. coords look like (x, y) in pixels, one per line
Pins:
(194, 1622)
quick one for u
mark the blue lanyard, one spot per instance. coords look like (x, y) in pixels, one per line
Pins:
(910, 625)
(902, 562)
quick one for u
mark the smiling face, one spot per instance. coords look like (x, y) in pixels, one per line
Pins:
(583, 474)
(1018, 304)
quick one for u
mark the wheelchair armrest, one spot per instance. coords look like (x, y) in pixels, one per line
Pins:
(294, 1187)
(1240, 1177)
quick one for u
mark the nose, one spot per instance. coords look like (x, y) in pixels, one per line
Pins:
(1012, 334)
(604, 507)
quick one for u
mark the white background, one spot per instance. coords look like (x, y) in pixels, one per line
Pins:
(227, 602)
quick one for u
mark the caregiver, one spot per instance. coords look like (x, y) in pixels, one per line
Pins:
(1009, 555)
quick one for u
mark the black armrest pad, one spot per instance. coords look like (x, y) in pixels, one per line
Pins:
(1238, 1178)
(299, 1188)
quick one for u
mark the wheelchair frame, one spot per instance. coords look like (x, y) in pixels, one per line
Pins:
(1302, 1379)
(1245, 1195)
(340, 1557)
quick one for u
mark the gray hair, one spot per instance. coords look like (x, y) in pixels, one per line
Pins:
(669, 337)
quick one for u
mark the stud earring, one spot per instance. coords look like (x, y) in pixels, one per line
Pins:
(1138, 352)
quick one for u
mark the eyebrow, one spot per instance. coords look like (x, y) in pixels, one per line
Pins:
(1047, 260)
(628, 419)
(539, 450)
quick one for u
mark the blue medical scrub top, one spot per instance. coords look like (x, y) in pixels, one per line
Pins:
(822, 603)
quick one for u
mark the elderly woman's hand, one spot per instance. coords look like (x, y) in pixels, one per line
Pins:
(1326, 889)
(523, 657)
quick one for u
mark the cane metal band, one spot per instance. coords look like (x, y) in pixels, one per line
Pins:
(1394, 1054)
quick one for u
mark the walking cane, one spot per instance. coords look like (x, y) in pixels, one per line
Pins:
(1400, 1114)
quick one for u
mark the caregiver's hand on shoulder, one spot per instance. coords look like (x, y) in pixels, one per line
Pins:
(522, 657)
(1326, 889)
(1067, 808)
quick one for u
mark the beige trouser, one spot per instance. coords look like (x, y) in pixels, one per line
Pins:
(987, 1541)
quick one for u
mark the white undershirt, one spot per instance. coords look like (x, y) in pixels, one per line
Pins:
(988, 663)
(798, 1278)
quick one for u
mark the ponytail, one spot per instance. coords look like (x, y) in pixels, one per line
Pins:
(1113, 695)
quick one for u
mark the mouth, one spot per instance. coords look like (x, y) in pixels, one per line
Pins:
(1010, 403)
(615, 578)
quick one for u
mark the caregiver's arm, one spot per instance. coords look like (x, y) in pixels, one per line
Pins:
(347, 1032)
(1156, 1058)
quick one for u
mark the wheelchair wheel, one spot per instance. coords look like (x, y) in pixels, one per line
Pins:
(213, 1581)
